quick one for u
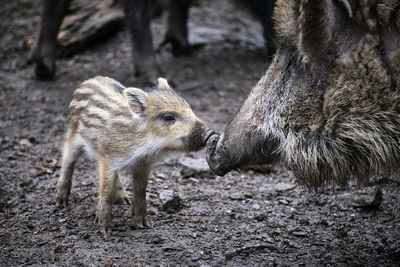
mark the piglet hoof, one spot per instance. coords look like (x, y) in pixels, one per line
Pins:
(105, 230)
(61, 202)
(142, 224)
(123, 201)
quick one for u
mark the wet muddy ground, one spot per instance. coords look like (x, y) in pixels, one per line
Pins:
(246, 218)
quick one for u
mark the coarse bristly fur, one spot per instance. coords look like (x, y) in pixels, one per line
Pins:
(329, 104)
(125, 128)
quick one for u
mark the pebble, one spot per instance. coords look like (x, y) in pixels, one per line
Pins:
(170, 202)
(165, 195)
(237, 196)
(284, 202)
(299, 234)
(25, 144)
(194, 180)
(193, 167)
(156, 240)
(281, 187)
(196, 257)
(293, 229)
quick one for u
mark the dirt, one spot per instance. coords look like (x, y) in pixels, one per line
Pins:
(245, 218)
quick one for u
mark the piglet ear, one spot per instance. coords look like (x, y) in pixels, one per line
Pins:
(163, 83)
(315, 33)
(137, 99)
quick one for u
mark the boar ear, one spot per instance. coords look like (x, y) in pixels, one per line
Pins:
(137, 99)
(163, 83)
(315, 33)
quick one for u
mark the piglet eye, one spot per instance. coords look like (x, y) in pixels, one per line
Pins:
(168, 117)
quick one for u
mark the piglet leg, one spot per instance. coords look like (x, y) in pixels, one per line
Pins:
(108, 186)
(139, 182)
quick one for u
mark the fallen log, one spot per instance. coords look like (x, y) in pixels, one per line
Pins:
(86, 25)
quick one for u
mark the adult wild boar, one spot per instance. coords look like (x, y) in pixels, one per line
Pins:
(138, 14)
(329, 103)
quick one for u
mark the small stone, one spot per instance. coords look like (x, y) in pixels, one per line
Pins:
(260, 217)
(293, 229)
(170, 202)
(299, 234)
(281, 187)
(237, 196)
(248, 195)
(25, 144)
(203, 35)
(194, 180)
(293, 244)
(165, 195)
(370, 201)
(192, 167)
(283, 201)
(157, 240)
(87, 183)
(196, 257)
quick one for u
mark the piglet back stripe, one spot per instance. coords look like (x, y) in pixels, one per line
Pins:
(94, 116)
(89, 124)
(118, 87)
(98, 90)
(113, 111)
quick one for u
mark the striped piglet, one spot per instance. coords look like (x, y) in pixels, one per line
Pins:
(125, 128)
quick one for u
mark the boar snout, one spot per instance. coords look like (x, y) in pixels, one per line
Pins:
(218, 161)
(206, 135)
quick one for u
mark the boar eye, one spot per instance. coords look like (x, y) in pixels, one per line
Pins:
(168, 117)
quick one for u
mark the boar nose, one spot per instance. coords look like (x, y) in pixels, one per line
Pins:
(206, 135)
